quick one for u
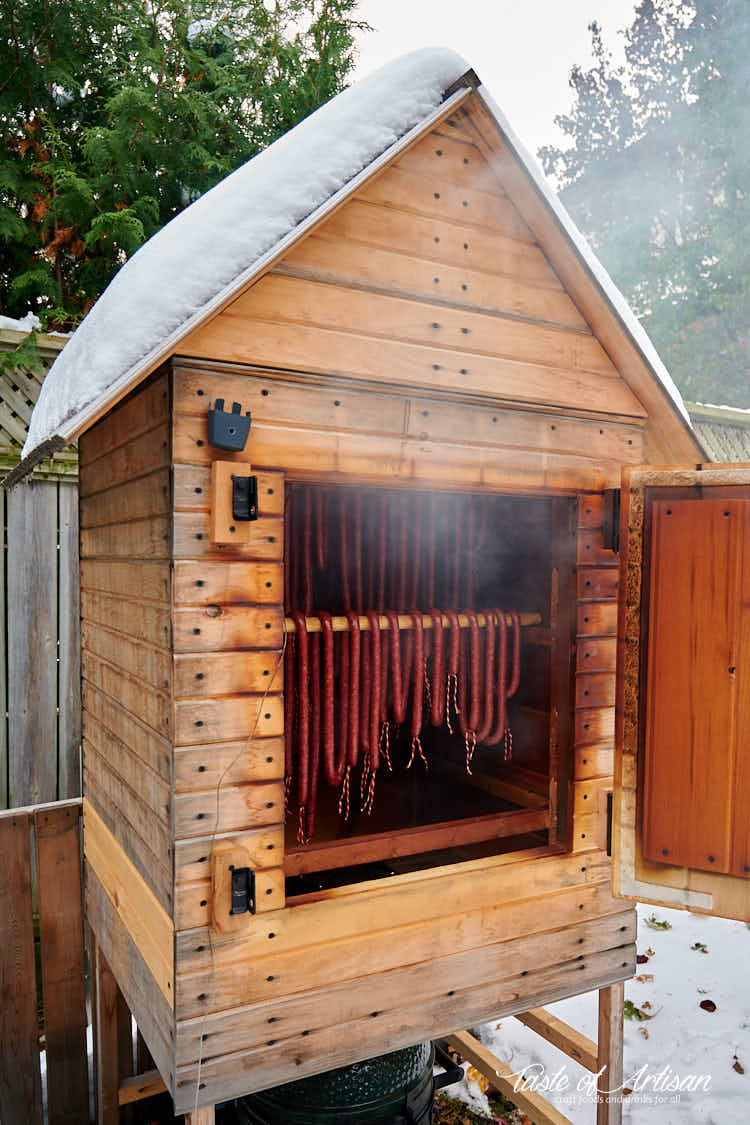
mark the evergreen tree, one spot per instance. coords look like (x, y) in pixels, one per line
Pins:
(116, 116)
(657, 176)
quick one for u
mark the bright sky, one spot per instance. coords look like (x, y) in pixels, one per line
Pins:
(521, 49)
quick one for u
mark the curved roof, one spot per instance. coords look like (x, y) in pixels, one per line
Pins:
(192, 266)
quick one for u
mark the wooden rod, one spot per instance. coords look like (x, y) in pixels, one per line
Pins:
(341, 625)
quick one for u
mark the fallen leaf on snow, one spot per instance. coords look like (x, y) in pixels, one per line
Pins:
(644, 1032)
(737, 1065)
(708, 1005)
(699, 947)
(645, 978)
(655, 924)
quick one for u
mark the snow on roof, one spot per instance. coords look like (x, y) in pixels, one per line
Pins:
(202, 257)
(206, 249)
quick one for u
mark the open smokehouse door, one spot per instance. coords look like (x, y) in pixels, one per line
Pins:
(681, 802)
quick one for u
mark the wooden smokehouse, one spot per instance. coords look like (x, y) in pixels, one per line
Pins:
(364, 714)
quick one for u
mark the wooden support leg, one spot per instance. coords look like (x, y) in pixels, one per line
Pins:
(611, 1005)
(203, 1116)
(106, 1051)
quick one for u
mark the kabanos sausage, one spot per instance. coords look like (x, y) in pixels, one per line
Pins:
(314, 768)
(398, 686)
(346, 593)
(454, 646)
(376, 688)
(333, 764)
(320, 530)
(437, 710)
(418, 690)
(468, 721)
(303, 709)
(307, 581)
(354, 652)
(502, 688)
(489, 675)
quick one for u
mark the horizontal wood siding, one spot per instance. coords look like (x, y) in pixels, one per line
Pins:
(323, 982)
(598, 573)
(226, 624)
(427, 278)
(126, 629)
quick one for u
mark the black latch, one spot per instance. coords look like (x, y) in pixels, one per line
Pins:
(225, 430)
(609, 824)
(244, 498)
(243, 890)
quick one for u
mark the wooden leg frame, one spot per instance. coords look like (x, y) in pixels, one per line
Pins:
(603, 1058)
(115, 1092)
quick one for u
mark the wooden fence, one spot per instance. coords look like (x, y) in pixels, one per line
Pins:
(41, 855)
(40, 710)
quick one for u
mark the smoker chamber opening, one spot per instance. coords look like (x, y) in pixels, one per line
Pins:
(426, 673)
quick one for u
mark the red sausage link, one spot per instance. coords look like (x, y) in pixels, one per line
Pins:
(489, 675)
(417, 551)
(354, 651)
(399, 694)
(431, 536)
(289, 668)
(382, 546)
(457, 545)
(417, 699)
(333, 764)
(358, 590)
(346, 592)
(307, 545)
(303, 709)
(454, 656)
(344, 646)
(320, 530)
(375, 666)
(516, 673)
(365, 693)
(312, 795)
(502, 672)
(437, 713)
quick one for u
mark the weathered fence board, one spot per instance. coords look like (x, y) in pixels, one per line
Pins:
(68, 630)
(40, 727)
(58, 852)
(20, 1075)
(41, 848)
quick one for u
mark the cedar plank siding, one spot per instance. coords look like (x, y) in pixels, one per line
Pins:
(126, 634)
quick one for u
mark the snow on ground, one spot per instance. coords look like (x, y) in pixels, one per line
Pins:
(679, 1033)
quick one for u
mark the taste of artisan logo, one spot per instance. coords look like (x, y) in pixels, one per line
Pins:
(646, 1085)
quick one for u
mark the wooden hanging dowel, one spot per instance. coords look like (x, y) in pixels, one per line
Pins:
(341, 625)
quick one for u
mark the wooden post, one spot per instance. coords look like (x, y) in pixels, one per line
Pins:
(611, 1005)
(204, 1116)
(106, 1053)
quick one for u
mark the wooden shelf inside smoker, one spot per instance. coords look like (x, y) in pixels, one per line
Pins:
(379, 846)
